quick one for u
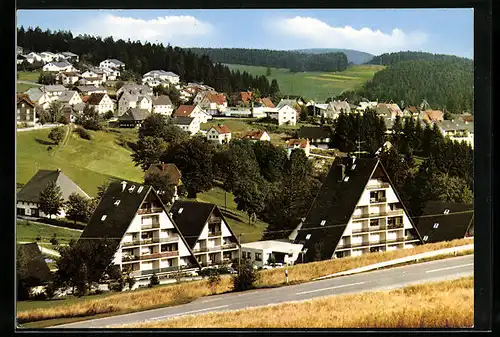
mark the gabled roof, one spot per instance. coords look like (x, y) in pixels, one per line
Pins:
(335, 203)
(95, 98)
(25, 98)
(432, 115)
(451, 226)
(53, 87)
(34, 263)
(61, 64)
(134, 114)
(119, 217)
(162, 100)
(88, 88)
(302, 143)
(115, 61)
(67, 96)
(34, 94)
(216, 98)
(256, 134)
(31, 190)
(221, 129)
(193, 218)
(68, 53)
(169, 168)
(413, 109)
(314, 132)
(266, 101)
(184, 110)
(290, 102)
(182, 120)
(246, 96)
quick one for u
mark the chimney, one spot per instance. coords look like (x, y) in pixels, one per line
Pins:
(124, 184)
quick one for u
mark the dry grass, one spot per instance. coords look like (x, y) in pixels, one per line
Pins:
(182, 293)
(128, 301)
(306, 272)
(447, 304)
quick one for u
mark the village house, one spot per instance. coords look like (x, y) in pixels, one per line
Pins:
(207, 233)
(39, 97)
(133, 117)
(262, 252)
(28, 197)
(67, 77)
(59, 66)
(457, 130)
(135, 89)
(411, 111)
(32, 57)
(53, 91)
(284, 114)
(188, 124)
(316, 109)
(388, 110)
(356, 211)
(147, 239)
(93, 77)
(163, 105)
(70, 97)
(101, 103)
(431, 115)
(200, 95)
(129, 100)
(193, 111)
(71, 57)
(112, 63)
(317, 135)
(213, 103)
(20, 59)
(445, 221)
(87, 90)
(257, 135)
(266, 102)
(363, 105)
(302, 144)
(170, 170)
(111, 73)
(244, 98)
(219, 134)
(334, 108)
(25, 110)
(154, 78)
(71, 112)
(47, 56)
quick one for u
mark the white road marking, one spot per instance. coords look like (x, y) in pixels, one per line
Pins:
(462, 265)
(187, 312)
(342, 286)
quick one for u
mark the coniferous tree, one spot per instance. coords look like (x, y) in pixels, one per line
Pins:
(51, 200)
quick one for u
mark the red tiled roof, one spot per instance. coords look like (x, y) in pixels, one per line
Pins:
(301, 142)
(95, 98)
(184, 110)
(413, 109)
(25, 98)
(246, 96)
(218, 99)
(433, 115)
(85, 99)
(267, 102)
(221, 129)
(257, 135)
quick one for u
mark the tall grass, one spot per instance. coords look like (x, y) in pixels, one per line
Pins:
(447, 304)
(181, 293)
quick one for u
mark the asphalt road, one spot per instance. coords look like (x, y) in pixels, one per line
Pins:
(369, 281)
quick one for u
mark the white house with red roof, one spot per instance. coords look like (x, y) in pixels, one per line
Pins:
(193, 111)
(214, 103)
(257, 135)
(298, 144)
(219, 134)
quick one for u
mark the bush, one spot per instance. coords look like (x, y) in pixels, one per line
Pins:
(56, 134)
(38, 238)
(84, 134)
(108, 115)
(39, 297)
(116, 286)
(154, 281)
(50, 290)
(214, 280)
(246, 277)
(54, 240)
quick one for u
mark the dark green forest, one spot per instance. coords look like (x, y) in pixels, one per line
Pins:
(444, 84)
(393, 58)
(141, 58)
(293, 60)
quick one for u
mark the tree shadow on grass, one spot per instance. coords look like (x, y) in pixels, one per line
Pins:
(44, 142)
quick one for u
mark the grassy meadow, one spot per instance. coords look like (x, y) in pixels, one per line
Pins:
(28, 75)
(27, 231)
(317, 86)
(444, 304)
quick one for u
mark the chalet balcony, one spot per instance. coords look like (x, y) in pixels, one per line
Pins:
(395, 226)
(230, 246)
(209, 263)
(130, 258)
(395, 241)
(378, 200)
(173, 238)
(378, 186)
(150, 210)
(353, 245)
(150, 226)
(215, 248)
(159, 255)
(200, 250)
(214, 220)
(212, 234)
(378, 215)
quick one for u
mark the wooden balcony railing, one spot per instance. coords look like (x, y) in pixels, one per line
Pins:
(212, 234)
(172, 238)
(214, 220)
(377, 200)
(378, 215)
(230, 246)
(378, 186)
(151, 210)
(150, 226)
(159, 255)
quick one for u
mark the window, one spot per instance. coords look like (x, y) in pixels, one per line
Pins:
(140, 189)
(346, 178)
(373, 222)
(117, 202)
(180, 210)
(436, 225)
(258, 256)
(131, 189)
(446, 211)
(308, 236)
(323, 222)
(353, 167)
(103, 217)
(426, 238)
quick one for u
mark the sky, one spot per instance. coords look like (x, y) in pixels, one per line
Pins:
(375, 31)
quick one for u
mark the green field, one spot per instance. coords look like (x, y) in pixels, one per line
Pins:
(28, 75)
(88, 163)
(317, 86)
(22, 87)
(28, 231)
(239, 125)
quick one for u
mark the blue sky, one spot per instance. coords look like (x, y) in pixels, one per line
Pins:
(447, 31)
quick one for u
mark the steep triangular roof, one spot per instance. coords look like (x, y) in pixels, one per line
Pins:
(34, 263)
(335, 203)
(31, 190)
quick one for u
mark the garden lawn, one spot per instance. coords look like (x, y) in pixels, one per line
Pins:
(317, 86)
(29, 75)
(27, 231)
(87, 163)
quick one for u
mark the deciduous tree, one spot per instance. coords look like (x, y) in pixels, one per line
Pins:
(51, 200)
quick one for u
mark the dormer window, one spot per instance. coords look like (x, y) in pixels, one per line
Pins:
(323, 222)
(426, 238)
(139, 190)
(346, 179)
(117, 202)
(308, 236)
(131, 189)
(104, 217)
(446, 211)
(180, 210)
(436, 225)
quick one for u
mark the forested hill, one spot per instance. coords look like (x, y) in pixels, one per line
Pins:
(292, 60)
(442, 83)
(353, 56)
(141, 58)
(392, 58)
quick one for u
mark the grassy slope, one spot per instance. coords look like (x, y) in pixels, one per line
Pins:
(315, 85)
(88, 163)
(29, 75)
(22, 87)
(28, 232)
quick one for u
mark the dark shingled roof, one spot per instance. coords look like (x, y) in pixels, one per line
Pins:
(454, 225)
(182, 120)
(95, 98)
(134, 114)
(31, 190)
(118, 218)
(193, 218)
(34, 263)
(170, 169)
(314, 132)
(335, 203)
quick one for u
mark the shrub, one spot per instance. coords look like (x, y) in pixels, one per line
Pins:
(154, 281)
(38, 238)
(56, 134)
(84, 134)
(39, 297)
(54, 241)
(50, 290)
(108, 115)
(130, 281)
(214, 280)
(116, 286)
(246, 277)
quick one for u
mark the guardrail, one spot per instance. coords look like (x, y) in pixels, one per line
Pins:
(171, 238)
(453, 250)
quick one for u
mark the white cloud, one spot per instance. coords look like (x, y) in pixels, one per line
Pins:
(313, 33)
(176, 30)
